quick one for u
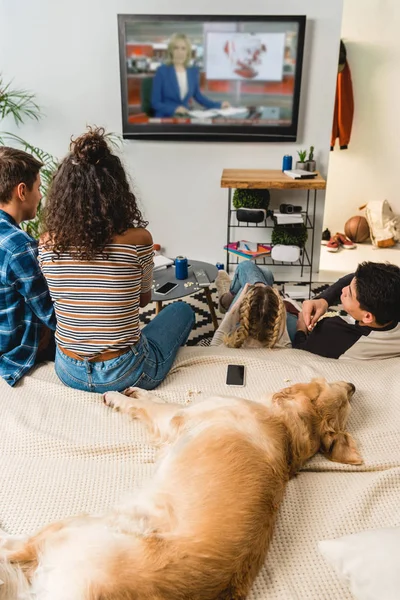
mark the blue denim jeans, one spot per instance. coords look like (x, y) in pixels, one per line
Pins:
(249, 272)
(144, 365)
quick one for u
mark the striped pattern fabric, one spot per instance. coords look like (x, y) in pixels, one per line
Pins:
(97, 302)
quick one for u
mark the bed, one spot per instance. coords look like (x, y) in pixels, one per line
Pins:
(63, 452)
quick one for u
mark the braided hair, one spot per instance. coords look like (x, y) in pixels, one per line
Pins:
(261, 314)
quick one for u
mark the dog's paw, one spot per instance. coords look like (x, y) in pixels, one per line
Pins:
(116, 401)
(135, 392)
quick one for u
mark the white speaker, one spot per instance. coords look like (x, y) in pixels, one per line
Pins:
(285, 253)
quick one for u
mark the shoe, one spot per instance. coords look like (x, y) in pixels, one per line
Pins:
(345, 242)
(223, 284)
(333, 245)
(326, 236)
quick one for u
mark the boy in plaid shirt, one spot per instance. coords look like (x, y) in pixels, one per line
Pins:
(26, 309)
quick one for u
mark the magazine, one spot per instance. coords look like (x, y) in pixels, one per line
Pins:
(247, 249)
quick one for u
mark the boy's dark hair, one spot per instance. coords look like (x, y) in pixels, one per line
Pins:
(378, 290)
(90, 200)
(16, 167)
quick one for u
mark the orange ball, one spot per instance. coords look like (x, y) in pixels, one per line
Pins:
(357, 229)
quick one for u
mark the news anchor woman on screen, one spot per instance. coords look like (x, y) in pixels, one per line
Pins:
(176, 83)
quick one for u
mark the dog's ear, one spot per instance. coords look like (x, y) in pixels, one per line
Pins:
(312, 389)
(339, 446)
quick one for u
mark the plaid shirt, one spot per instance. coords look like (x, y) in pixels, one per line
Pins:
(24, 300)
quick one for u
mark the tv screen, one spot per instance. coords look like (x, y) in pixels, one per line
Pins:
(227, 78)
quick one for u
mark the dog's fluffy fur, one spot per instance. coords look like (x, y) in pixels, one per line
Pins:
(201, 528)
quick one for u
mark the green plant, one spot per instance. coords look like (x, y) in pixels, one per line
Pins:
(311, 153)
(302, 155)
(21, 105)
(245, 198)
(17, 103)
(290, 235)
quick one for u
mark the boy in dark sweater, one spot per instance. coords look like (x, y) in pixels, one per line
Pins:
(371, 330)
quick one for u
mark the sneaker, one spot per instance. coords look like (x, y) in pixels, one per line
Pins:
(333, 244)
(326, 236)
(223, 284)
(345, 242)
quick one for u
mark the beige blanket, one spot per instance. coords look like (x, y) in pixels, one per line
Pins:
(63, 452)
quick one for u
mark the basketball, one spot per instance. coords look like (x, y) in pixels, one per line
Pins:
(357, 229)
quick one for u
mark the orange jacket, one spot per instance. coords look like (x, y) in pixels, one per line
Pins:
(344, 109)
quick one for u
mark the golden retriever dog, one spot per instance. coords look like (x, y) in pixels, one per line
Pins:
(200, 529)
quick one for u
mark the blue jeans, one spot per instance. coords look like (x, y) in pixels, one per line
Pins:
(144, 365)
(249, 272)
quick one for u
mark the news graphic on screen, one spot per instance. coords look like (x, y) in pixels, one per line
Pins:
(211, 77)
(245, 56)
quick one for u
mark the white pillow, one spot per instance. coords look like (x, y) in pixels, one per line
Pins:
(368, 561)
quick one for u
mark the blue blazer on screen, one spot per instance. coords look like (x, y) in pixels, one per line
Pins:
(165, 97)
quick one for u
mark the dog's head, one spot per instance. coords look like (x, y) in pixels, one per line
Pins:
(329, 405)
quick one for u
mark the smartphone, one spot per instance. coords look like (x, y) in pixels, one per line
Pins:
(166, 288)
(235, 375)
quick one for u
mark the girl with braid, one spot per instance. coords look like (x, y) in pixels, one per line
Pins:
(256, 315)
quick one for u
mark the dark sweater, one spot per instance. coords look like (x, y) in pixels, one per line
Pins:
(342, 337)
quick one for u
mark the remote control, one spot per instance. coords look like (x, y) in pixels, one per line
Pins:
(201, 277)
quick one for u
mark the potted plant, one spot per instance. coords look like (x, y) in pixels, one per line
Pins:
(21, 105)
(290, 235)
(301, 163)
(311, 165)
(251, 205)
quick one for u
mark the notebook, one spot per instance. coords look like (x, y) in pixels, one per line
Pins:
(161, 262)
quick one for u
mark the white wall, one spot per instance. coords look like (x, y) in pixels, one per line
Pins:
(368, 170)
(67, 52)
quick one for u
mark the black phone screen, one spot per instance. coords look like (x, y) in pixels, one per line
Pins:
(235, 375)
(167, 287)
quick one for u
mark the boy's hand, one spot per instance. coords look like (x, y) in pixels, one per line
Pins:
(301, 326)
(312, 310)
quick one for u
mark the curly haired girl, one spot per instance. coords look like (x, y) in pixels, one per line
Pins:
(97, 257)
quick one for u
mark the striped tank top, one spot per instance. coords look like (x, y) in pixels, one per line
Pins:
(97, 302)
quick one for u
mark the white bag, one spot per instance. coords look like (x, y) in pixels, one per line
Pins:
(383, 223)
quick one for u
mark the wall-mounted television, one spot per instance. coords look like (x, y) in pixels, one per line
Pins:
(220, 78)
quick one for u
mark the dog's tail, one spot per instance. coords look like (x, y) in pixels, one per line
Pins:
(13, 583)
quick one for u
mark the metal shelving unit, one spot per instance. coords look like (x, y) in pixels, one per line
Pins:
(260, 179)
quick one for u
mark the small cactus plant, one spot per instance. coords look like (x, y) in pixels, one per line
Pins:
(311, 153)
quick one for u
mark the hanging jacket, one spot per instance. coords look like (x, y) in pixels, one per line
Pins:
(344, 103)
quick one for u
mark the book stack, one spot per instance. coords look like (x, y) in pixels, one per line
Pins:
(288, 218)
(247, 249)
(301, 174)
